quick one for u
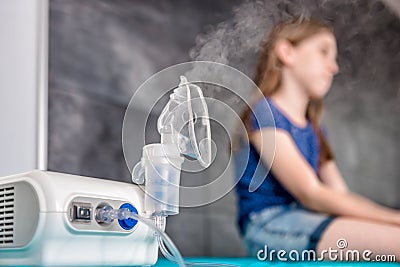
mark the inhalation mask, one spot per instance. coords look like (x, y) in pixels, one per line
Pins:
(184, 127)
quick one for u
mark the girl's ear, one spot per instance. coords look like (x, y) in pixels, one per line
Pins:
(285, 52)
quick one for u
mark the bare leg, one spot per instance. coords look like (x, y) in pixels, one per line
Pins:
(361, 235)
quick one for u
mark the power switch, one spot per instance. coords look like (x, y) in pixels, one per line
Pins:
(81, 212)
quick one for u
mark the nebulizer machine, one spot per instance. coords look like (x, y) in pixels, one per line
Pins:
(55, 219)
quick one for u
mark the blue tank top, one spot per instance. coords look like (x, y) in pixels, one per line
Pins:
(269, 191)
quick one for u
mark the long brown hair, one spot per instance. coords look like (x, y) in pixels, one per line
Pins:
(268, 72)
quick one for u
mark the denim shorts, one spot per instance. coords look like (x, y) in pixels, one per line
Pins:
(284, 227)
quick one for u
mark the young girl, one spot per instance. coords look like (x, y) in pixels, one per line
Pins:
(303, 203)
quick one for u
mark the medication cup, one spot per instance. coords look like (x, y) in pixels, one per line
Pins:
(159, 170)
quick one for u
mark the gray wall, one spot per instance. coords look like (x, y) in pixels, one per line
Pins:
(101, 51)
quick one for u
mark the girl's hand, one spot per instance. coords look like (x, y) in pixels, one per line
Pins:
(397, 218)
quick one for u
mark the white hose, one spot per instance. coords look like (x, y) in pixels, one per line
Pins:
(167, 247)
(106, 214)
(170, 257)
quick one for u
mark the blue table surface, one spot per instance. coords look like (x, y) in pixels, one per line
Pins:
(252, 262)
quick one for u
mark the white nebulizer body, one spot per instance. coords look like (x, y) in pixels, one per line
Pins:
(48, 219)
(54, 219)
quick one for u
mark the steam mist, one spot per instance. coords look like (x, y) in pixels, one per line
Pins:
(361, 109)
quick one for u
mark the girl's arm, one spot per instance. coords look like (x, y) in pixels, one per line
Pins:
(297, 176)
(331, 176)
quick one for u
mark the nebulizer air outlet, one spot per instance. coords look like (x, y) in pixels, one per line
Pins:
(184, 127)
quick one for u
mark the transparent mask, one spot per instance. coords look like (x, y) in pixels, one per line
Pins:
(185, 122)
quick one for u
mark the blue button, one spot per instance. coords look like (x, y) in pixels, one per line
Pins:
(128, 224)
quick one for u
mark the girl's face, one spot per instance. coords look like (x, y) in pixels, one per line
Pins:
(314, 63)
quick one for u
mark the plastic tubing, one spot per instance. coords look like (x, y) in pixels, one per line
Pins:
(170, 257)
(105, 215)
